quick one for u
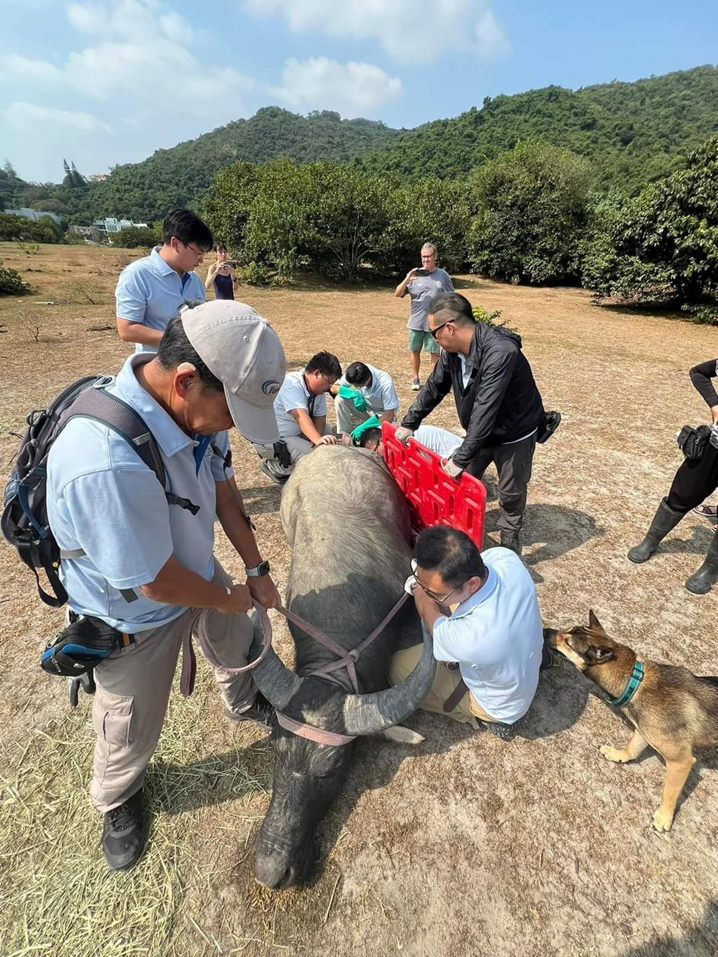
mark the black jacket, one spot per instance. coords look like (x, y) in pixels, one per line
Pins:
(501, 402)
(701, 376)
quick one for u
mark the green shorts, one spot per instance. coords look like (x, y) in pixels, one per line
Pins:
(419, 338)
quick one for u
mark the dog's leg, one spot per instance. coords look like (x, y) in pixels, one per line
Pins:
(677, 772)
(635, 747)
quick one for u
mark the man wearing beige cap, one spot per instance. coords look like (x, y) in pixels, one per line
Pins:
(142, 555)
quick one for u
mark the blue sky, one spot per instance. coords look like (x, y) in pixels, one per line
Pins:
(102, 82)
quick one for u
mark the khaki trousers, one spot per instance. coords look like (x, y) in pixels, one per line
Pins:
(446, 680)
(133, 688)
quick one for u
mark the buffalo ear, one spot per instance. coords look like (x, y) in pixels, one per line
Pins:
(599, 655)
(593, 621)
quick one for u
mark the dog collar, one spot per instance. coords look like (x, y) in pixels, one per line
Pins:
(630, 689)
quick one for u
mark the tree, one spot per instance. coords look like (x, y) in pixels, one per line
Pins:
(531, 211)
(663, 245)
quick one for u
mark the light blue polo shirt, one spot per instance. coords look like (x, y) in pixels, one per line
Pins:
(496, 636)
(151, 292)
(103, 499)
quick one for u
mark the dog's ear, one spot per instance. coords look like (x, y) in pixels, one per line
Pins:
(593, 621)
(599, 656)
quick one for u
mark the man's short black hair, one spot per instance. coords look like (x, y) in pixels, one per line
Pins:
(451, 307)
(451, 553)
(325, 364)
(186, 226)
(369, 439)
(175, 348)
(357, 374)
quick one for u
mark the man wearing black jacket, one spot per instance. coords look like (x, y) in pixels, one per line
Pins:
(694, 481)
(496, 399)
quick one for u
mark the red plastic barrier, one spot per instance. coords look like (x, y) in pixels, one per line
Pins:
(434, 498)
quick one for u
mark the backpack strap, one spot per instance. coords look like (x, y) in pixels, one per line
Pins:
(109, 410)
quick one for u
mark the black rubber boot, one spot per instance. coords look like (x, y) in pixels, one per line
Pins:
(663, 522)
(511, 540)
(701, 582)
(123, 834)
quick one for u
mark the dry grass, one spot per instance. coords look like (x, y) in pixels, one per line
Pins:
(464, 845)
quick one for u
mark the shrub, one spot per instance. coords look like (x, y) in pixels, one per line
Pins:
(531, 211)
(489, 318)
(136, 237)
(662, 246)
(256, 274)
(11, 283)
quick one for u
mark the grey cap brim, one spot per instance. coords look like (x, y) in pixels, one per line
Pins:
(257, 425)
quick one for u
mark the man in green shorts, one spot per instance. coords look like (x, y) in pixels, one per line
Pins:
(422, 284)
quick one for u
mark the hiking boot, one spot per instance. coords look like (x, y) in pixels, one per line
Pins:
(511, 540)
(261, 712)
(701, 582)
(664, 521)
(273, 472)
(123, 834)
(500, 730)
(415, 385)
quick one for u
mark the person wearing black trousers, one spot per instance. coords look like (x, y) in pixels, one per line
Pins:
(694, 481)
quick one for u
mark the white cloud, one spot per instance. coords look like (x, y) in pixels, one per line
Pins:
(352, 89)
(14, 65)
(27, 116)
(140, 45)
(410, 31)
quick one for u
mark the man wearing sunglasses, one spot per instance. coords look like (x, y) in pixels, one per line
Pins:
(497, 402)
(482, 611)
(151, 290)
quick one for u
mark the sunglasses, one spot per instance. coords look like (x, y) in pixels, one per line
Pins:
(438, 328)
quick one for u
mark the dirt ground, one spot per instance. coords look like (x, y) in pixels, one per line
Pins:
(464, 844)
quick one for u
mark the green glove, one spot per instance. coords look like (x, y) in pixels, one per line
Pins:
(346, 392)
(371, 423)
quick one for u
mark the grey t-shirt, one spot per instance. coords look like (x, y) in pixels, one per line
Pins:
(422, 290)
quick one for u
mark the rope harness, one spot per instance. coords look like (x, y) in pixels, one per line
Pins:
(345, 659)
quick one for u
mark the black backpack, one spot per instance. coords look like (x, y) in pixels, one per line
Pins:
(24, 516)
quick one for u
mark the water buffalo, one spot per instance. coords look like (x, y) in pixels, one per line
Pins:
(348, 525)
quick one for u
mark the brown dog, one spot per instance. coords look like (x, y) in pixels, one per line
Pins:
(672, 709)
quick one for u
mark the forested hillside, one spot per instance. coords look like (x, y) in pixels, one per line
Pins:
(632, 133)
(180, 176)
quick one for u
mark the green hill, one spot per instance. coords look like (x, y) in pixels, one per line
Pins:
(181, 175)
(633, 133)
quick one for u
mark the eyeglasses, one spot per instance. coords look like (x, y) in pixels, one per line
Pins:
(441, 599)
(198, 252)
(438, 328)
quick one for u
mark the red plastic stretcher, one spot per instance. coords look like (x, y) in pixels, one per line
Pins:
(434, 498)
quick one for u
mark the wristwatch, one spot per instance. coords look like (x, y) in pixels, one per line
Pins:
(258, 571)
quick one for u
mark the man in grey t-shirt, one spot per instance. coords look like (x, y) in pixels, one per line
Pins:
(422, 284)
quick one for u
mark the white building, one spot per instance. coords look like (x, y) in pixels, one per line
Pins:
(112, 225)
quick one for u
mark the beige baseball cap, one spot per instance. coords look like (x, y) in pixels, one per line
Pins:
(243, 351)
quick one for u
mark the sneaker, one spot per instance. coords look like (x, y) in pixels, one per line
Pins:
(261, 712)
(415, 385)
(267, 469)
(123, 837)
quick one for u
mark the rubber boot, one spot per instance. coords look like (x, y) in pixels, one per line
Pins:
(701, 582)
(663, 522)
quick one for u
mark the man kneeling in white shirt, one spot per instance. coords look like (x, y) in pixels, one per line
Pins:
(301, 412)
(489, 646)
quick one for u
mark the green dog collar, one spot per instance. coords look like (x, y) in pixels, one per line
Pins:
(630, 689)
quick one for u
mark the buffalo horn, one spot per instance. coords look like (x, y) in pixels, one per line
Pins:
(276, 682)
(371, 713)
